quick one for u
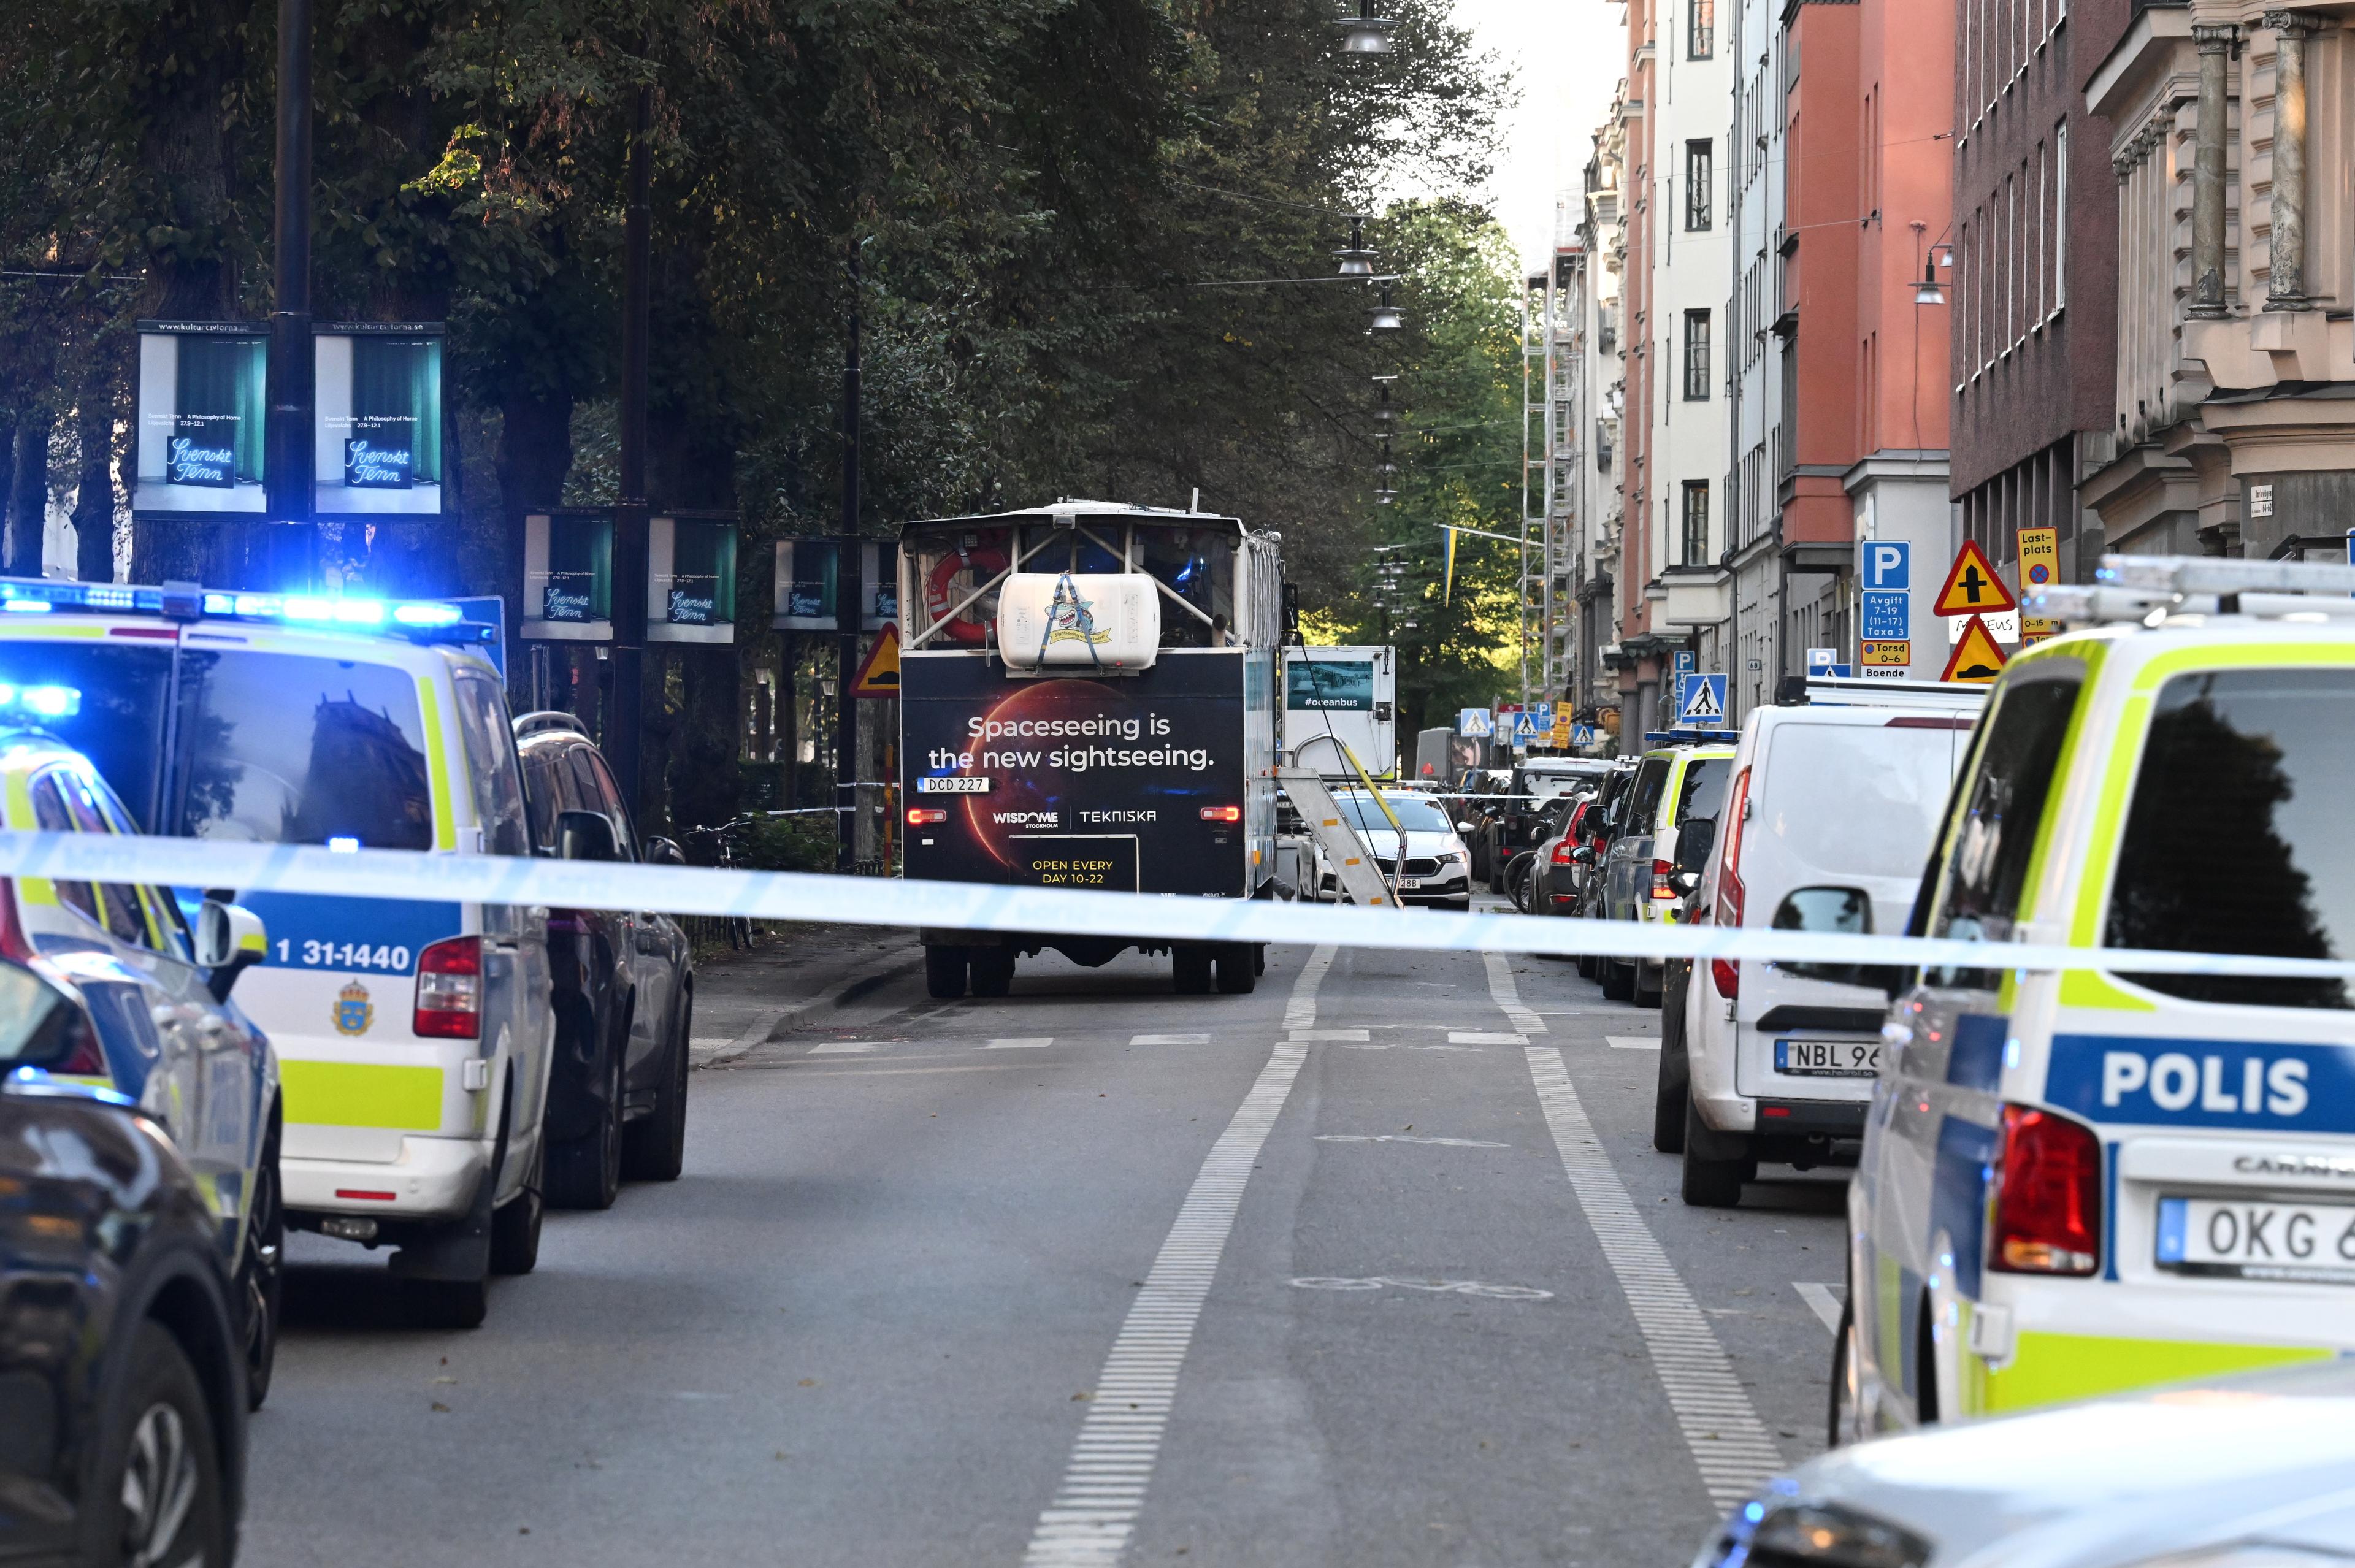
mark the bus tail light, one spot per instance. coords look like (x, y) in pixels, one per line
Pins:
(450, 990)
(925, 816)
(1222, 813)
(2048, 1194)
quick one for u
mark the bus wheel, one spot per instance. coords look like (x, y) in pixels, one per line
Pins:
(992, 971)
(1238, 971)
(1189, 968)
(944, 971)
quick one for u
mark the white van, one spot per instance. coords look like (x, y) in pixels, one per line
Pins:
(1830, 817)
(413, 1039)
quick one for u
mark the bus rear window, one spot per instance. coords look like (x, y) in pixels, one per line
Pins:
(294, 749)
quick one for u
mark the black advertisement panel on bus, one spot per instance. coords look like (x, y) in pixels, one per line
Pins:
(1134, 783)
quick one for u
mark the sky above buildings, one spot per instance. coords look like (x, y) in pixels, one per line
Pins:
(1566, 56)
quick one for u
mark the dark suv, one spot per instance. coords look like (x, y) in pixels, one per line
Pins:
(623, 983)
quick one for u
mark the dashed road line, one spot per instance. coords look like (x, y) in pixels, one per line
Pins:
(1169, 1040)
(1026, 1042)
(1507, 995)
(1821, 1298)
(1478, 1037)
(1632, 1041)
(1102, 1489)
(1327, 1036)
(841, 1047)
(1729, 1444)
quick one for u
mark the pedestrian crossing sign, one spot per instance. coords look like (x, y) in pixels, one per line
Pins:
(1701, 700)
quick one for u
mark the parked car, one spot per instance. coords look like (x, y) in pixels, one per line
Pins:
(1830, 817)
(123, 1394)
(1533, 782)
(1437, 864)
(1673, 786)
(168, 1037)
(1560, 873)
(2240, 1472)
(623, 983)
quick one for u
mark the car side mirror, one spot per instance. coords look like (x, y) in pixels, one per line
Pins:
(1698, 837)
(586, 836)
(1839, 912)
(230, 939)
(1582, 855)
(1468, 828)
(663, 852)
(1687, 882)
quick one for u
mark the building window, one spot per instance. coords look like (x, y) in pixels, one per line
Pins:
(1696, 355)
(1700, 29)
(1698, 183)
(1696, 522)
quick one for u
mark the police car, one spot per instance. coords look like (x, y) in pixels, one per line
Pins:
(163, 1032)
(2083, 1182)
(413, 1039)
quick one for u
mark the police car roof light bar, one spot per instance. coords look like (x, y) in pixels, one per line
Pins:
(421, 621)
(2191, 574)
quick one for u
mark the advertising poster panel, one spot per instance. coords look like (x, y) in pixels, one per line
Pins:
(376, 432)
(567, 576)
(201, 405)
(1133, 785)
(691, 579)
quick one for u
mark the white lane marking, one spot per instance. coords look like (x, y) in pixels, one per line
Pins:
(1442, 1286)
(1732, 1450)
(1632, 1041)
(1169, 1040)
(1507, 995)
(1312, 1036)
(841, 1047)
(1826, 1304)
(1300, 1012)
(1029, 1042)
(1405, 1139)
(1476, 1036)
(1095, 1506)
(1397, 1044)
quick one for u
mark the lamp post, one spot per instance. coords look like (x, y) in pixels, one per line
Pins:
(290, 539)
(851, 598)
(623, 741)
(1365, 33)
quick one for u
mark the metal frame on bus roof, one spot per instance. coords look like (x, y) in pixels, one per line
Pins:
(423, 621)
(1068, 510)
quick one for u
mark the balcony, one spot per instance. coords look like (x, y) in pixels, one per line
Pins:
(1697, 595)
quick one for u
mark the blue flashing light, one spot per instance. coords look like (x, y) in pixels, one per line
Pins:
(41, 701)
(426, 614)
(27, 606)
(343, 844)
(359, 612)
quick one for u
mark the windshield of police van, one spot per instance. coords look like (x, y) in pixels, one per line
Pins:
(111, 699)
(294, 749)
(1414, 814)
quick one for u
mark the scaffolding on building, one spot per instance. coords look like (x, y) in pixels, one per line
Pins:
(1554, 384)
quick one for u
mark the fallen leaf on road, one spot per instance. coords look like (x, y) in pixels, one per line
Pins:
(442, 1408)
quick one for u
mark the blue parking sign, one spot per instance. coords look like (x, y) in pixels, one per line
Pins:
(1887, 617)
(1885, 563)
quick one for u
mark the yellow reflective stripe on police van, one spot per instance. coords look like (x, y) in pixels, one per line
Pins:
(361, 1095)
(2052, 1368)
(446, 818)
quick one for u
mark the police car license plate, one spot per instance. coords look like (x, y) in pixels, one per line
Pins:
(1828, 1058)
(2243, 1238)
(960, 783)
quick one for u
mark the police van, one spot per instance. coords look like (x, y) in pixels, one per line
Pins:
(2085, 1181)
(413, 1039)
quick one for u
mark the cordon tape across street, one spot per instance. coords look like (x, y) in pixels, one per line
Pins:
(967, 906)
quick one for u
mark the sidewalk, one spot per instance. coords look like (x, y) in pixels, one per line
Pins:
(744, 999)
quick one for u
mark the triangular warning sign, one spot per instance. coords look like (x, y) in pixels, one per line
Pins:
(1977, 656)
(1972, 586)
(879, 674)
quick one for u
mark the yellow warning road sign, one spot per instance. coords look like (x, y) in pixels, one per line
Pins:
(2039, 569)
(1977, 656)
(879, 674)
(1972, 586)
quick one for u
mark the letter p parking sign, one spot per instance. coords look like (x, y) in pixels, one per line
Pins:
(1885, 563)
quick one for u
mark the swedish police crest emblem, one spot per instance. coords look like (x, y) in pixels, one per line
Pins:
(354, 1012)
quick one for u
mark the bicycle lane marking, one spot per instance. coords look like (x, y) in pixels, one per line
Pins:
(1095, 1506)
(1729, 1446)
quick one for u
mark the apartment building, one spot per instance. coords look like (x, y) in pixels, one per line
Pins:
(1759, 353)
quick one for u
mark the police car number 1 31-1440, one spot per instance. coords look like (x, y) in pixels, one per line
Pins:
(1828, 1058)
(342, 955)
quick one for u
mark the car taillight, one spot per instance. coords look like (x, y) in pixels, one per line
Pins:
(1725, 974)
(1662, 886)
(2048, 1194)
(923, 816)
(450, 990)
(12, 930)
(1563, 850)
(1222, 813)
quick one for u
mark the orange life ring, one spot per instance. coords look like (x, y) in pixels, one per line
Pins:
(987, 559)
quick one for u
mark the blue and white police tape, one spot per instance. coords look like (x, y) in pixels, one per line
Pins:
(967, 906)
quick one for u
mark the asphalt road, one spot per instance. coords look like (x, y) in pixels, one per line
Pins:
(1373, 1266)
